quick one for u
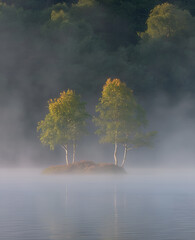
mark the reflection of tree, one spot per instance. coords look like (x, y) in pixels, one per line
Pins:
(115, 211)
(66, 194)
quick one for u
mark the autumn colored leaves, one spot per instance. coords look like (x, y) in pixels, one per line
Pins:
(121, 120)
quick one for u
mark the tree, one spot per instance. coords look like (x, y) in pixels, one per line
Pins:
(121, 120)
(167, 20)
(65, 123)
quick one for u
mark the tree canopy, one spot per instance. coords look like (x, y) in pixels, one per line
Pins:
(121, 119)
(65, 123)
(166, 21)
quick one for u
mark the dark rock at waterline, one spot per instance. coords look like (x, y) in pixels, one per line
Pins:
(85, 167)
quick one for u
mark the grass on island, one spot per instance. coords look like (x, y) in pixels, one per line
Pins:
(85, 167)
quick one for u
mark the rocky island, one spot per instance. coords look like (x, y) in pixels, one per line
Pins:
(84, 167)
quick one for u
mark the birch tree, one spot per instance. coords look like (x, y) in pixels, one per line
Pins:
(121, 119)
(65, 123)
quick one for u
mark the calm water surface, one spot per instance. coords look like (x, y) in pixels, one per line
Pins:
(138, 206)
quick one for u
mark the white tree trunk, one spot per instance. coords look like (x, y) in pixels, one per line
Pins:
(66, 151)
(124, 156)
(65, 147)
(73, 152)
(115, 152)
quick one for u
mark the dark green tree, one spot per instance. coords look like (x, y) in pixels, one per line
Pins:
(167, 21)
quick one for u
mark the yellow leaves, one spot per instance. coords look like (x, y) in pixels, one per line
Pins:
(65, 121)
(115, 82)
(85, 3)
(58, 106)
(117, 110)
(59, 16)
(115, 93)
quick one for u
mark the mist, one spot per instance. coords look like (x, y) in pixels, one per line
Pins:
(145, 203)
(39, 60)
(51, 46)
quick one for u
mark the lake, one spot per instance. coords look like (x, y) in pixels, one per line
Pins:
(142, 205)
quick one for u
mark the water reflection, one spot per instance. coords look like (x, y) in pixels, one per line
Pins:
(115, 210)
(134, 207)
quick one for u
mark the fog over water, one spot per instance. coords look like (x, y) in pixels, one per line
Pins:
(153, 201)
(38, 60)
(144, 204)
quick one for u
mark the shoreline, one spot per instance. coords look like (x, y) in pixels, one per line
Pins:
(84, 168)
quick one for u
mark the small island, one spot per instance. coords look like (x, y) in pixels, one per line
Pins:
(120, 121)
(85, 167)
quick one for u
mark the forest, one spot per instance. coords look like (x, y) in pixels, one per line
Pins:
(49, 46)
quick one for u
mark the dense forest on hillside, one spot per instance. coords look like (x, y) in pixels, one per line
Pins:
(49, 45)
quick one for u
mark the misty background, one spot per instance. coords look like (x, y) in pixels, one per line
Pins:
(49, 46)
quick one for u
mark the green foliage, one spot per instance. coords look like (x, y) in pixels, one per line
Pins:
(10, 16)
(121, 119)
(86, 3)
(66, 121)
(167, 21)
(59, 13)
(33, 5)
(60, 16)
(49, 135)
